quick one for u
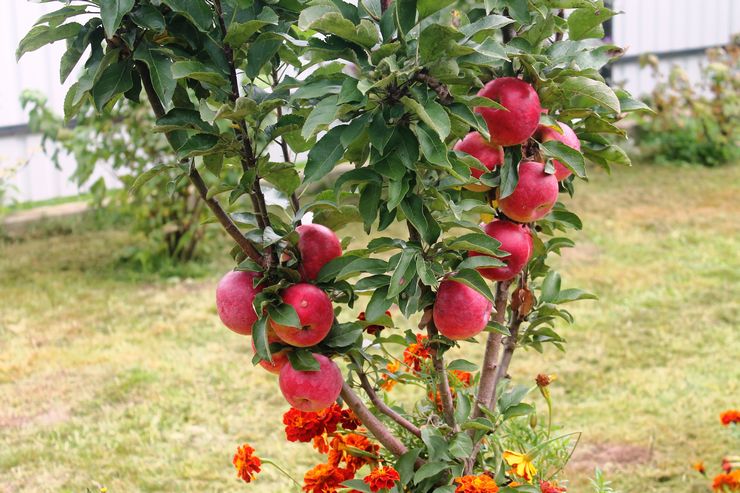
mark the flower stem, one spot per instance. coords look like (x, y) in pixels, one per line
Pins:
(284, 473)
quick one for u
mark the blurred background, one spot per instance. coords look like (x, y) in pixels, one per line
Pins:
(114, 370)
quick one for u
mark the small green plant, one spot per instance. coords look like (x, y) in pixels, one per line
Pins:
(121, 140)
(600, 484)
(694, 123)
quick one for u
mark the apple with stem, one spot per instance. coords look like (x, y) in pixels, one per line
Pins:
(520, 119)
(315, 313)
(234, 297)
(317, 245)
(534, 195)
(460, 311)
(312, 391)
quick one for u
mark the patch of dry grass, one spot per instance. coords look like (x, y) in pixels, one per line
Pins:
(130, 382)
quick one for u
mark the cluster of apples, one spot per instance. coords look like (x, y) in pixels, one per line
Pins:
(533, 198)
(235, 294)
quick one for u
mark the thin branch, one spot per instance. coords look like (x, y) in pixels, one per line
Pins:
(448, 404)
(487, 385)
(443, 92)
(509, 346)
(383, 407)
(246, 246)
(294, 202)
(371, 422)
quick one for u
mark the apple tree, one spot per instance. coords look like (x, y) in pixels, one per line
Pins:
(452, 132)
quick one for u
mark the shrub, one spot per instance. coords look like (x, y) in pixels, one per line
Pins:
(694, 123)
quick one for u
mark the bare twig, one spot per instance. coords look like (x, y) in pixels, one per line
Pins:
(448, 404)
(443, 92)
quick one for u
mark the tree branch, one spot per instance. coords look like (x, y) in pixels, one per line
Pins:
(443, 92)
(246, 246)
(448, 404)
(294, 202)
(372, 423)
(383, 407)
(487, 385)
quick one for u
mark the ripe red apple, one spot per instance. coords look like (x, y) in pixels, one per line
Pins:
(515, 239)
(234, 296)
(568, 137)
(318, 245)
(534, 196)
(515, 126)
(460, 311)
(315, 313)
(312, 391)
(279, 359)
(490, 155)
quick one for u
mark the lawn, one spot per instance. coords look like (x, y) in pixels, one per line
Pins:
(108, 377)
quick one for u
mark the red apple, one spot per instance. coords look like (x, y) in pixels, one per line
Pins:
(516, 240)
(568, 137)
(318, 245)
(460, 311)
(490, 155)
(234, 296)
(315, 313)
(519, 123)
(534, 196)
(279, 359)
(312, 391)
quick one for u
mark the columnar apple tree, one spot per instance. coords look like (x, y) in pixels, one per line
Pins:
(452, 132)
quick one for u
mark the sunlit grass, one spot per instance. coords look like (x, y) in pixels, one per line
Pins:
(125, 380)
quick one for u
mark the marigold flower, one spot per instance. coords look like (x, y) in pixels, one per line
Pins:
(726, 465)
(464, 377)
(482, 483)
(349, 421)
(388, 383)
(521, 465)
(325, 478)
(545, 380)
(416, 352)
(548, 487)
(352, 449)
(246, 463)
(727, 482)
(730, 417)
(699, 467)
(301, 426)
(382, 478)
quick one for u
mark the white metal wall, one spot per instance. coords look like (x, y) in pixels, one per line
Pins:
(647, 26)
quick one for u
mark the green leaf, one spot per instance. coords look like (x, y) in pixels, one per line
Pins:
(480, 262)
(486, 23)
(365, 34)
(587, 22)
(195, 70)
(362, 265)
(261, 51)
(378, 304)
(197, 12)
(405, 465)
(473, 279)
(478, 242)
(550, 287)
(284, 314)
(461, 446)
(160, 70)
(40, 36)
(147, 175)
(183, 119)
(324, 155)
(432, 147)
(433, 115)
(260, 340)
(148, 17)
(568, 295)
(115, 80)
(566, 155)
(428, 470)
(197, 145)
(428, 7)
(322, 114)
(403, 274)
(405, 14)
(510, 171)
(303, 360)
(369, 204)
(112, 12)
(593, 90)
(358, 485)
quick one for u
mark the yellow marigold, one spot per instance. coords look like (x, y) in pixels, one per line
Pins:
(246, 463)
(388, 382)
(521, 465)
(482, 483)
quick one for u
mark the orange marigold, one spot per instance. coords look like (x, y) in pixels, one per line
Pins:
(325, 478)
(416, 352)
(301, 426)
(246, 463)
(699, 467)
(548, 487)
(388, 383)
(352, 449)
(729, 417)
(464, 377)
(482, 483)
(727, 482)
(382, 478)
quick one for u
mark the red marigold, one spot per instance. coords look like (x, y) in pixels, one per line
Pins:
(548, 487)
(349, 421)
(246, 463)
(726, 465)
(482, 483)
(352, 449)
(382, 478)
(416, 352)
(301, 426)
(727, 482)
(729, 417)
(325, 478)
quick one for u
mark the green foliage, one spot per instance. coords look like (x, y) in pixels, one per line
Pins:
(694, 123)
(242, 89)
(151, 200)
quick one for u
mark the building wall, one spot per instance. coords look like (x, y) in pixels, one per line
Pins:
(647, 26)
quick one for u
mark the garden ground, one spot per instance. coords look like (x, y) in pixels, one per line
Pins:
(108, 377)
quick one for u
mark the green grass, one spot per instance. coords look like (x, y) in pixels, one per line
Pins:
(24, 206)
(125, 380)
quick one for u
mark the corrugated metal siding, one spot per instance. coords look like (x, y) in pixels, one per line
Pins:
(647, 26)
